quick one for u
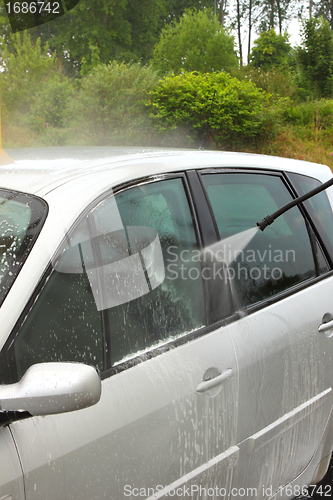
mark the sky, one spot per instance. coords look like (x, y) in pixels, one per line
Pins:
(294, 31)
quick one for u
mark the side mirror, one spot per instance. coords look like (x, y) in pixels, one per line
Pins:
(49, 388)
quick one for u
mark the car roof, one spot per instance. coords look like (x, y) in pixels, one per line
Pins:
(40, 171)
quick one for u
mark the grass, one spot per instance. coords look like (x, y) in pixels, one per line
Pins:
(302, 144)
(17, 137)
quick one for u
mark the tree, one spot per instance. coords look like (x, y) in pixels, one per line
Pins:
(174, 9)
(283, 12)
(101, 23)
(145, 18)
(196, 43)
(6, 30)
(325, 9)
(315, 57)
(268, 15)
(274, 13)
(123, 30)
(262, 14)
(240, 14)
(222, 5)
(252, 19)
(24, 70)
(270, 50)
(246, 12)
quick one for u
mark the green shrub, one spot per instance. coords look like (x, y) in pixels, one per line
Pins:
(109, 106)
(23, 70)
(273, 81)
(312, 114)
(50, 106)
(240, 112)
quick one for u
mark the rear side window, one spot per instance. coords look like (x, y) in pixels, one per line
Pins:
(260, 264)
(319, 208)
(119, 287)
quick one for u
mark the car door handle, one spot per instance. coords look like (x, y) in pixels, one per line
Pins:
(206, 385)
(327, 324)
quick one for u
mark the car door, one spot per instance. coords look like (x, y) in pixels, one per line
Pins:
(11, 476)
(281, 285)
(127, 294)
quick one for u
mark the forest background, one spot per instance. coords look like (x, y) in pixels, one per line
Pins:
(151, 72)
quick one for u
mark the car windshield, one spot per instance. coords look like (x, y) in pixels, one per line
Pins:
(21, 219)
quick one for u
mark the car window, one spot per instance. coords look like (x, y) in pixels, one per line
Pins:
(14, 221)
(318, 207)
(270, 261)
(21, 218)
(158, 237)
(117, 288)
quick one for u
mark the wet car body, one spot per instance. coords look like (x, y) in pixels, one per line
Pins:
(215, 361)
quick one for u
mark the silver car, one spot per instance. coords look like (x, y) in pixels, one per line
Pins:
(155, 343)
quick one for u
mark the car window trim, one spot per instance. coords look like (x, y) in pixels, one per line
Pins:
(206, 220)
(287, 293)
(164, 348)
(210, 235)
(104, 317)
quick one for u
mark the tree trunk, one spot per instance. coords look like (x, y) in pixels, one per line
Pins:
(271, 14)
(239, 33)
(250, 31)
(223, 4)
(329, 12)
(279, 15)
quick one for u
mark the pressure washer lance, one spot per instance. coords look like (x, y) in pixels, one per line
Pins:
(271, 218)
